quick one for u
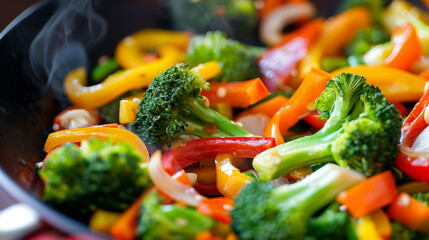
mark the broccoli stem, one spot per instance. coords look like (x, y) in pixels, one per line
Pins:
(225, 125)
(316, 191)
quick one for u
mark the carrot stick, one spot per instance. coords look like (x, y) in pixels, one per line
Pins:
(237, 94)
(370, 195)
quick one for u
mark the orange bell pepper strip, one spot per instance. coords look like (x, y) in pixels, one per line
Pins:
(340, 29)
(128, 51)
(229, 179)
(269, 107)
(237, 94)
(206, 235)
(75, 135)
(366, 197)
(410, 212)
(397, 85)
(426, 3)
(218, 208)
(406, 48)
(279, 62)
(425, 74)
(118, 83)
(297, 106)
(269, 5)
(314, 120)
(311, 60)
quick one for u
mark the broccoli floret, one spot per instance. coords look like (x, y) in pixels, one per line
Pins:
(172, 105)
(362, 132)
(237, 61)
(171, 221)
(235, 17)
(374, 6)
(96, 175)
(262, 211)
(110, 111)
(365, 39)
(330, 224)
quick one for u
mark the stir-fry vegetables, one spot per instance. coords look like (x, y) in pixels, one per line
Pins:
(206, 137)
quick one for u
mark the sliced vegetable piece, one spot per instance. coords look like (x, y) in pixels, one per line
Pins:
(76, 135)
(410, 212)
(370, 195)
(217, 208)
(236, 94)
(406, 48)
(277, 64)
(397, 85)
(229, 179)
(314, 120)
(118, 83)
(268, 107)
(128, 51)
(297, 106)
(102, 220)
(209, 69)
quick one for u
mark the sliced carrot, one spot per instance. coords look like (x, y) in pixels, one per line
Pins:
(370, 195)
(269, 107)
(410, 212)
(217, 208)
(237, 94)
(297, 106)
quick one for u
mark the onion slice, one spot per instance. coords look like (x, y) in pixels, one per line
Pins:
(271, 28)
(165, 183)
(412, 153)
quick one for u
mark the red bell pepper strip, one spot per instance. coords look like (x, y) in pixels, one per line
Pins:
(196, 150)
(217, 208)
(410, 212)
(277, 64)
(401, 108)
(236, 94)
(370, 195)
(314, 120)
(406, 48)
(297, 106)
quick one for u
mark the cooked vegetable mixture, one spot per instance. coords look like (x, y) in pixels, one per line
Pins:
(319, 130)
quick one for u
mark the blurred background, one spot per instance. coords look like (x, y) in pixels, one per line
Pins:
(9, 10)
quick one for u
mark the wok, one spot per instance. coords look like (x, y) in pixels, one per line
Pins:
(27, 108)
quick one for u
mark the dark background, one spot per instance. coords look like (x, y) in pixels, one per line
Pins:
(11, 9)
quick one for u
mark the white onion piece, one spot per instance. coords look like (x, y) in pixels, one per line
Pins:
(413, 153)
(165, 183)
(271, 26)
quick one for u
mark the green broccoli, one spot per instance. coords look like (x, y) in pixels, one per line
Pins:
(235, 17)
(172, 105)
(330, 224)
(365, 39)
(374, 6)
(171, 221)
(237, 61)
(96, 175)
(262, 211)
(362, 132)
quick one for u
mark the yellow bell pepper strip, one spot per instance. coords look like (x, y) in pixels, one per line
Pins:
(128, 108)
(340, 29)
(208, 70)
(372, 194)
(119, 83)
(269, 107)
(397, 85)
(102, 220)
(406, 48)
(311, 60)
(76, 135)
(229, 179)
(128, 51)
(374, 226)
(410, 212)
(297, 106)
(236, 94)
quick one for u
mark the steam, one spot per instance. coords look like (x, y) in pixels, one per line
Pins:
(62, 43)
